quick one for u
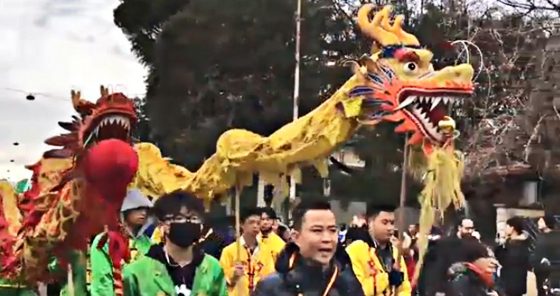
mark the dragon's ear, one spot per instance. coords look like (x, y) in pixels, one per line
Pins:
(353, 64)
(369, 64)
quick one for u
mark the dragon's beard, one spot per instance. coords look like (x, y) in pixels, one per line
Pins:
(441, 173)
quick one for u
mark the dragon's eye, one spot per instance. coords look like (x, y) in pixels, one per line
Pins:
(410, 67)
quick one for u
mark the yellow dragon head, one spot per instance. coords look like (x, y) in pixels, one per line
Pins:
(398, 82)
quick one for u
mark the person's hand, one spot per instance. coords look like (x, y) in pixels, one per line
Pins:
(434, 237)
(238, 271)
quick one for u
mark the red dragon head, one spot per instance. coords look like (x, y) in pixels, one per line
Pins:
(111, 117)
(77, 189)
(398, 82)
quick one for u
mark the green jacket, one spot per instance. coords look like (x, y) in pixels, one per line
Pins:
(102, 268)
(9, 288)
(149, 277)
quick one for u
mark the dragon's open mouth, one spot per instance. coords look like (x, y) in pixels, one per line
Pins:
(427, 108)
(111, 127)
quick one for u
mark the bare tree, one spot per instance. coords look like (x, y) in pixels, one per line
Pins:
(530, 6)
(500, 122)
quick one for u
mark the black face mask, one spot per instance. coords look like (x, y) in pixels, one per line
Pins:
(184, 234)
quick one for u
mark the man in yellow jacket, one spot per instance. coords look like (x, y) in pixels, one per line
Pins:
(376, 262)
(246, 261)
(268, 237)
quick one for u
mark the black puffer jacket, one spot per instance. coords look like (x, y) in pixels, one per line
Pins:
(307, 278)
(466, 281)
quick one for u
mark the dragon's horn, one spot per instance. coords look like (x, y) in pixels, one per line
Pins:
(81, 106)
(104, 91)
(380, 28)
(76, 98)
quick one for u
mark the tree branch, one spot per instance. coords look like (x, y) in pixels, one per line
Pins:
(532, 138)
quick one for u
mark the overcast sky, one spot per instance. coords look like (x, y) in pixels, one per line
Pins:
(48, 48)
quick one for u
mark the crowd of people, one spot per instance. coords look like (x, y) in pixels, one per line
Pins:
(175, 251)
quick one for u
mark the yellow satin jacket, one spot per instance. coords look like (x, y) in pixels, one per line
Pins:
(371, 273)
(257, 265)
(273, 243)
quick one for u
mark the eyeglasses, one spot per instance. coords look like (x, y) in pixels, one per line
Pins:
(182, 219)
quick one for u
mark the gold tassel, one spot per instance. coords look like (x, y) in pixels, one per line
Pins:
(417, 162)
(442, 171)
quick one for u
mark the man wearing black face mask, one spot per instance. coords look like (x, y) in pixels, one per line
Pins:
(179, 266)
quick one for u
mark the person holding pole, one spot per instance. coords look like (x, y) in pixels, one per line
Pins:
(377, 263)
(178, 266)
(246, 261)
(135, 220)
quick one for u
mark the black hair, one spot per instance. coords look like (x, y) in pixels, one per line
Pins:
(269, 212)
(516, 223)
(472, 250)
(549, 220)
(307, 205)
(249, 212)
(440, 256)
(171, 204)
(374, 210)
(282, 231)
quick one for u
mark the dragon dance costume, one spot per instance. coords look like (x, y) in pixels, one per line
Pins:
(77, 189)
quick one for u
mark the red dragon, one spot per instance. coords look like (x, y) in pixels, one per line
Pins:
(77, 188)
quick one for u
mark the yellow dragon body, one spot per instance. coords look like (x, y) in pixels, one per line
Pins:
(397, 83)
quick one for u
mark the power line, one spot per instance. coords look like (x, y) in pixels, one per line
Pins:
(30, 95)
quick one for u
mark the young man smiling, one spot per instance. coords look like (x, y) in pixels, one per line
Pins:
(312, 264)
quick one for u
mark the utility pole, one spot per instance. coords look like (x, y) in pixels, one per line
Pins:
(402, 200)
(293, 192)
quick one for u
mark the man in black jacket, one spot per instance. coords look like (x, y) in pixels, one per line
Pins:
(312, 265)
(545, 253)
